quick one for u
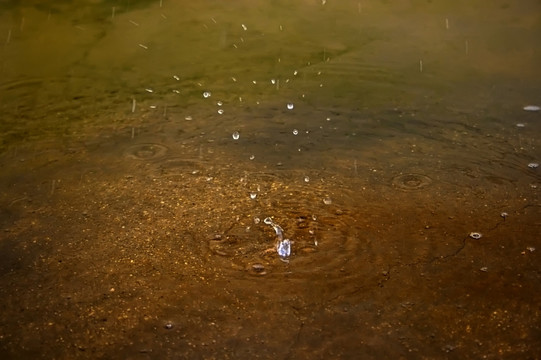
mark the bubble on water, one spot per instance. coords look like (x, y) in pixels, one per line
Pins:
(531, 108)
(327, 200)
(220, 111)
(476, 235)
(219, 103)
(306, 179)
(206, 94)
(236, 135)
(295, 132)
(533, 165)
(290, 106)
(253, 195)
(252, 157)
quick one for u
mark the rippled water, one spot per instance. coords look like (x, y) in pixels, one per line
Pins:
(144, 143)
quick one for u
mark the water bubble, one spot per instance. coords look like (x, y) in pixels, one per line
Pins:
(252, 157)
(531, 108)
(327, 201)
(295, 132)
(206, 94)
(253, 195)
(219, 103)
(306, 179)
(476, 235)
(220, 111)
(290, 106)
(236, 135)
(533, 165)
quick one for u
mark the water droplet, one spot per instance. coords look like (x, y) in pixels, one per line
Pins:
(236, 135)
(476, 235)
(244, 27)
(168, 325)
(295, 132)
(531, 108)
(253, 195)
(267, 221)
(176, 77)
(533, 165)
(521, 125)
(206, 94)
(327, 201)
(306, 179)
(273, 81)
(219, 103)
(290, 106)
(220, 111)
(188, 118)
(252, 157)
(530, 248)
(504, 214)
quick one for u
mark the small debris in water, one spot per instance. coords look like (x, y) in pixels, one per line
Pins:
(476, 235)
(531, 108)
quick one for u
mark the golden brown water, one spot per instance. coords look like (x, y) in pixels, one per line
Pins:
(379, 135)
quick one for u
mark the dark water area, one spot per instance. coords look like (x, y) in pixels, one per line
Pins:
(155, 154)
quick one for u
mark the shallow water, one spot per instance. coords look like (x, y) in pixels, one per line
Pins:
(132, 206)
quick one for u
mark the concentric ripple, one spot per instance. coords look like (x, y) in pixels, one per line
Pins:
(411, 182)
(146, 151)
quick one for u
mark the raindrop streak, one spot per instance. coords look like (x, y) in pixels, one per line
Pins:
(236, 135)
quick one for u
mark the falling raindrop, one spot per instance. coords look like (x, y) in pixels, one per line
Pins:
(236, 135)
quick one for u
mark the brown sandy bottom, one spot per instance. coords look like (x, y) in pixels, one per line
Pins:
(139, 249)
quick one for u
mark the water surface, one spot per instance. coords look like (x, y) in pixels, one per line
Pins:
(143, 143)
